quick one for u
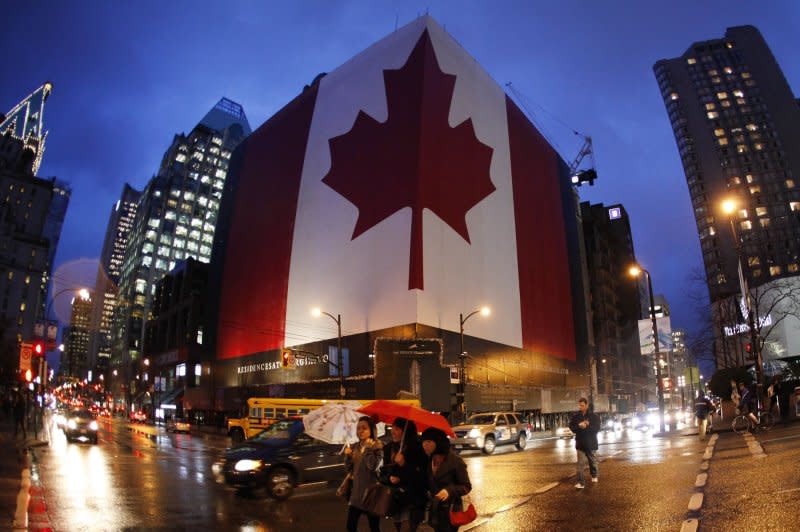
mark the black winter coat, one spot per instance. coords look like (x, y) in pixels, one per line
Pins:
(585, 439)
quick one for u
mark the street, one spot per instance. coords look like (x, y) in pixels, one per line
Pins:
(141, 477)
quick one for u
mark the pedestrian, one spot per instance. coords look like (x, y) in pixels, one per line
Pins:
(362, 462)
(585, 425)
(19, 416)
(748, 402)
(702, 410)
(404, 470)
(772, 394)
(448, 480)
(735, 397)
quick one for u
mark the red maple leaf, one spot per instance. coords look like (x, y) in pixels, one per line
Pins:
(414, 159)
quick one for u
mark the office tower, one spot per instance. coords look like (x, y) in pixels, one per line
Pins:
(76, 337)
(175, 219)
(118, 231)
(737, 127)
(30, 210)
(621, 370)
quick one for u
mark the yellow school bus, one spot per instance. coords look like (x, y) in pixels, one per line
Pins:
(263, 411)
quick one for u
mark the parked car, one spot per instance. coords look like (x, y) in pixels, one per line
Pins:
(178, 425)
(487, 431)
(81, 425)
(138, 417)
(280, 458)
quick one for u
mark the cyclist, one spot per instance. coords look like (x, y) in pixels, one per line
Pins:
(748, 403)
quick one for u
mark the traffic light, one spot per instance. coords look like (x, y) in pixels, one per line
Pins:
(38, 348)
(748, 347)
(28, 375)
(287, 360)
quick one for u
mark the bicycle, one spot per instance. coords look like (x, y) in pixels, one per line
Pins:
(742, 422)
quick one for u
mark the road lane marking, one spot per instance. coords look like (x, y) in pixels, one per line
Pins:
(783, 438)
(546, 488)
(701, 480)
(787, 491)
(704, 466)
(478, 522)
(690, 525)
(695, 502)
(755, 448)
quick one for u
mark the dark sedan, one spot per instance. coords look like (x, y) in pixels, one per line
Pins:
(280, 458)
(81, 425)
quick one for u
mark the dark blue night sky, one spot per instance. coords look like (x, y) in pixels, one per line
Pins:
(128, 76)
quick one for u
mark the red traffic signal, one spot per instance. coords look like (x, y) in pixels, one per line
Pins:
(38, 348)
(286, 358)
(748, 347)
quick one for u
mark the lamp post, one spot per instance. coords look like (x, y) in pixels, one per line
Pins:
(729, 206)
(461, 397)
(635, 271)
(339, 356)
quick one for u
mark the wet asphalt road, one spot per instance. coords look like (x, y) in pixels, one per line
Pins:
(134, 480)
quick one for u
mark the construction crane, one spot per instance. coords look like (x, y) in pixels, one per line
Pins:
(578, 176)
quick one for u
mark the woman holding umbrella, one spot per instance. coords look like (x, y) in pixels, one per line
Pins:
(404, 470)
(363, 461)
(448, 479)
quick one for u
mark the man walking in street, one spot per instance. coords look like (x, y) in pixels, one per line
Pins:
(585, 425)
(702, 411)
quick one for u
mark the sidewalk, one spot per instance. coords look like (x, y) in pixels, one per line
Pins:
(13, 460)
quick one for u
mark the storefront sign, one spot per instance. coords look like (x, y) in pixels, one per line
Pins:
(299, 361)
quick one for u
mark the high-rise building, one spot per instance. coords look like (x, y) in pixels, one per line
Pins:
(621, 370)
(118, 231)
(175, 219)
(737, 126)
(76, 337)
(30, 210)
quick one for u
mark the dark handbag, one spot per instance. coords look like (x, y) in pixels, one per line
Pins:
(465, 516)
(345, 489)
(377, 499)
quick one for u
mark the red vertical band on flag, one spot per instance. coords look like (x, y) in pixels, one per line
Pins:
(255, 282)
(545, 289)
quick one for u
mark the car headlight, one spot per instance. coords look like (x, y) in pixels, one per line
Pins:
(93, 425)
(248, 465)
(474, 433)
(71, 424)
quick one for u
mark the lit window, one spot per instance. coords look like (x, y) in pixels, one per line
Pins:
(170, 215)
(199, 339)
(175, 193)
(202, 201)
(195, 234)
(774, 270)
(753, 261)
(749, 178)
(691, 60)
(790, 183)
(720, 278)
(716, 80)
(755, 189)
(171, 265)
(794, 206)
(161, 264)
(141, 286)
(740, 101)
(736, 180)
(22, 307)
(153, 222)
(722, 95)
(205, 179)
(208, 238)
(723, 141)
(180, 370)
(179, 243)
(728, 70)
(745, 75)
(746, 225)
(220, 173)
(188, 196)
(151, 235)
(758, 146)
(742, 213)
(741, 148)
(180, 158)
(764, 222)
(197, 222)
(710, 106)
(726, 103)
(205, 250)
(147, 261)
(712, 231)
(171, 203)
(738, 93)
(761, 211)
(792, 267)
(712, 115)
(181, 230)
(729, 44)
(165, 239)
(27, 279)
(177, 254)
(673, 96)
(192, 246)
(719, 132)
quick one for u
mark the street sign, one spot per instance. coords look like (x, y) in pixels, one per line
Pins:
(25, 354)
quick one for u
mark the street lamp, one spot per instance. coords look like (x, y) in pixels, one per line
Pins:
(461, 398)
(317, 312)
(729, 206)
(636, 271)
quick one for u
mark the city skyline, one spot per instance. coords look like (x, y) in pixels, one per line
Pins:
(112, 122)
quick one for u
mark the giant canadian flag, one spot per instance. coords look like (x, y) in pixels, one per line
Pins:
(403, 187)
